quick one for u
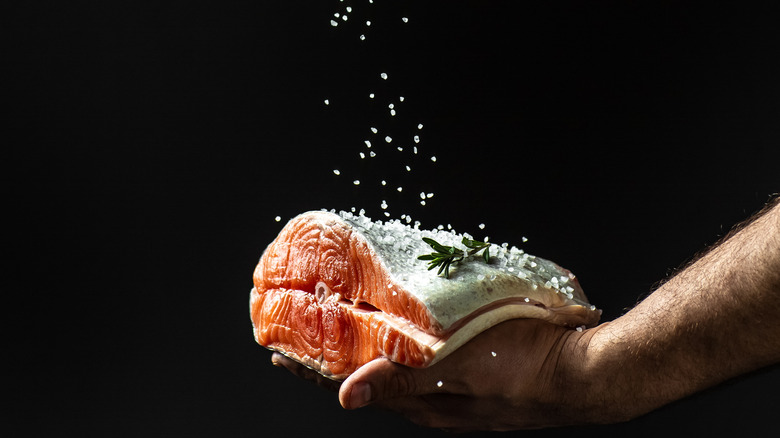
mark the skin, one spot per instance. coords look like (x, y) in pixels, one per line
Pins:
(669, 346)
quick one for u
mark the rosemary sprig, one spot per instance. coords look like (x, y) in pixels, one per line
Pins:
(444, 256)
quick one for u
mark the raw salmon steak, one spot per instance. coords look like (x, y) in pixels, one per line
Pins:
(334, 291)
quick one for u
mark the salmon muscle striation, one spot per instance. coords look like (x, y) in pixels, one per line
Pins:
(334, 291)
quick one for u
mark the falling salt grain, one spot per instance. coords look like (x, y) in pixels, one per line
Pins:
(420, 126)
(334, 23)
(344, 17)
(383, 205)
(579, 329)
(362, 155)
(374, 130)
(392, 112)
(404, 19)
(493, 353)
(400, 98)
(337, 15)
(336, 172)
(524, 239)
(362, 37)
(400, 149)
(433, 158)
(368, 23)
(327, 102)
(356, 182)
(415, 150)
(388, 139)
(278, 218)
(439, 383)
(349, 8)
(416, 138)
(400, 189)
(371, 96)
(481, 226)
(408, 169)
(368, 143)
(384, 183)
(383, 76)
(372, 154)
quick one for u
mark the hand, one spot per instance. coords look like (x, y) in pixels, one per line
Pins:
(514, 375)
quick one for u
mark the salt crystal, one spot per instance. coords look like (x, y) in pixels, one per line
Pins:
(327, 102)
(579, 329)
(356, 182)
(336, 171)
(400, 149)
(420, 126)
(374, 130)
(391, 106)
(334, 23)
(439, 383)
(430, 195)
(433, 158)
(416, 138)
(392, 112)
(362, 155)
(404, 19)
(344, 17)
(383, 76)
(387, 214)
(527, 300)
(408, 169)
(349, 8)
(384, 183)
(525, 239)
(362, 37)
(493, 353)
(278, 218)
(388, 139)
(415, 150)
(368, 23)
(371, 96)
(481, 226)
(422, 202)
(383, 205)
(368, 143)
(400, 98)
(400, 189)
(337, 15)
(422, 195)
(372, 154)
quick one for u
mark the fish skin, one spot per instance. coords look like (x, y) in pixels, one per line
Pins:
(334, 291)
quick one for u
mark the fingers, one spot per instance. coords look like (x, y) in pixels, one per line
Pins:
(382, 379)
(304, 372)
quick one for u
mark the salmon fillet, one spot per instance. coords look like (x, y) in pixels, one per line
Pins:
(335, 291)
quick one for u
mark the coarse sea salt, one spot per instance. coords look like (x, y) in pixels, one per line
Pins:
(278, 218)
(336, 172)
(383, 76)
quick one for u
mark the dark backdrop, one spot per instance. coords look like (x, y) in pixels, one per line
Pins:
(154, 143)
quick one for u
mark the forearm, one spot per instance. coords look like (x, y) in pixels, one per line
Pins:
(716, 319)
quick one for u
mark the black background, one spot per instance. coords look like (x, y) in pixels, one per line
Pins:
(152, 144)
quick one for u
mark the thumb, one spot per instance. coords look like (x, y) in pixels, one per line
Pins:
(379, 380)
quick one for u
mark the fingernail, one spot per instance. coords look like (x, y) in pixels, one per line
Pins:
(360, 395)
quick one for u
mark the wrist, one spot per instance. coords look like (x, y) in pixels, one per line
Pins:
(591, 379)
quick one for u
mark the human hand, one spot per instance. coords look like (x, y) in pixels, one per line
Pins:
(522, 373)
